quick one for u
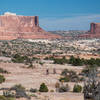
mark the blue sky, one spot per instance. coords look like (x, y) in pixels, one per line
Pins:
(56, 14)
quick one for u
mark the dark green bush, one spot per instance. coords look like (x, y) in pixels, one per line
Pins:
(76, 61)
(43, 88)
(69, 76)
(20, 91)
(65, 79)
(64, 88)
(60, 61)
(49, 58)
(2, 98)
(88, 69)
(6, 98)
(2, 79)
(82, 79)
(71, 60)
(79, 62)
(8, 94)
(77, 88)
(20, 59)
(18, 87)
(33, 90)
(3, 71)
(65, 72)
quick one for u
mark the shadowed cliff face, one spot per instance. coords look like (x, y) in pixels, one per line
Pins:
(27, 27)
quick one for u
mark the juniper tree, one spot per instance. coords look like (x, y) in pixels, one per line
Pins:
(92, 85)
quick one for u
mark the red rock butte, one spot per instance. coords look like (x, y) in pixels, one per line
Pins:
(24, 27)
(94, 31)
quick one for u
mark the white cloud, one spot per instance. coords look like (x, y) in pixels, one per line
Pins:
(69, 23)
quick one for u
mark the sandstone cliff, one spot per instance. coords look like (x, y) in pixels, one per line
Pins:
(94, 31)
(95, 28)
(25, 27)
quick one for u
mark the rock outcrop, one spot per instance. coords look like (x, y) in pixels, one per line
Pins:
(24, 27)
(93, 33)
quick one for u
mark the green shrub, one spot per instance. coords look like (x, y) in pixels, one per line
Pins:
(41, 63)
(6, 98)
(20, 91)
(17, 58)
(51, 90)
(33, 90)
(60, 61)
(64, 79)
(77, 88)
(2, 79)
(49, 58)
(8, 94)
(3, 71)
(43, 88)
(10, 98)
(2, 98)
(65, 72)
(82, 79)
(77, 62)
(88, 69)
(69, 75)
(18, 87)
(71, 60)
(64, 88)
(34, 58)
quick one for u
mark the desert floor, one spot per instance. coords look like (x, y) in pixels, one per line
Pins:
(32, 78)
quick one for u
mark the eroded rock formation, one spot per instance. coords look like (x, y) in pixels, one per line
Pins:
(25, 27)
(94, 31)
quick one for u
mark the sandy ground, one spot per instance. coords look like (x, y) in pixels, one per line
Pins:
(60, 96)
(32, 78)
(57, 96)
